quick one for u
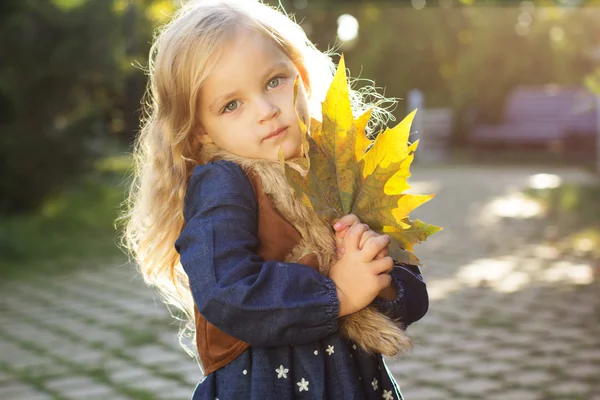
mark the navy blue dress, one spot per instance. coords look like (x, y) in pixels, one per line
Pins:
(287, 312)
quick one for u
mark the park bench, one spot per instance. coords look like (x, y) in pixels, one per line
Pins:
(540, 115)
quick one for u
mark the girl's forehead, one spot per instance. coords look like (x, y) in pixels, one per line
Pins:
(244, 64)
(249, 55)
(254, 47)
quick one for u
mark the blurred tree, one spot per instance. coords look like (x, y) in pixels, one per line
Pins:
(73, 70)
(466, 55)
(139, 19)
(57, 83)
(73, 75)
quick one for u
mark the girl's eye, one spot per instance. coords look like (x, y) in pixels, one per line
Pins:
(273, 83)
(231, 106)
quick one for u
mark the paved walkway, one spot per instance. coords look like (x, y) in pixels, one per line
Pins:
(509, 317)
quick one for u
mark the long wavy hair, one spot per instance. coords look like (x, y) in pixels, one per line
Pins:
(183, 54)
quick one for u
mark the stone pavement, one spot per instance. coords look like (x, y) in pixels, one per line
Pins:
(509, 317)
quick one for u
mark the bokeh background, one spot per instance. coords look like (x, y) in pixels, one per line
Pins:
(508, 99)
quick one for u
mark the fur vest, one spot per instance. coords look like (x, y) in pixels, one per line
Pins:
(299, 237)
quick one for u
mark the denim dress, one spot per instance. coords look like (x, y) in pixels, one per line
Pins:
(286, 312)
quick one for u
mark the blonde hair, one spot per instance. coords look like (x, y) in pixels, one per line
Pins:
(183, 54)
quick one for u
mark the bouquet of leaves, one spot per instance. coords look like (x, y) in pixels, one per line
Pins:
(344, 172)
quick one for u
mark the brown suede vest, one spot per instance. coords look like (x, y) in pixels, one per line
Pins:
(277, 238)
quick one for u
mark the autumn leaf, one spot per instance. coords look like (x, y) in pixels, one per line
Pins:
(338, 176)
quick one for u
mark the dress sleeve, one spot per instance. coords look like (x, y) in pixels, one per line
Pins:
(412, 300)
(262, 302)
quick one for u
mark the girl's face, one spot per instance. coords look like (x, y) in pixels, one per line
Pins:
(247, 102)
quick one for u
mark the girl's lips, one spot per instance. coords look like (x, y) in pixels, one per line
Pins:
(276, 133)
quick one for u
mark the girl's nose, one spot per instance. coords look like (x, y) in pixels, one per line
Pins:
(267, 110)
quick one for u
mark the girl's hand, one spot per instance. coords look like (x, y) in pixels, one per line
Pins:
(341, 228)
(358, 276)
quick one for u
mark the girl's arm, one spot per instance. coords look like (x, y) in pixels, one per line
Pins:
(412, 300)
(264, 303)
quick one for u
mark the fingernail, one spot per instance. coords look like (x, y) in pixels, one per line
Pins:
(337, 225)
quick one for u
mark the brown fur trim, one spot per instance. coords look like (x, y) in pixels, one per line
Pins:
(370, 329)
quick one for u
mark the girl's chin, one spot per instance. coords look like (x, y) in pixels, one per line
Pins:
(289, 152)
(293, 154)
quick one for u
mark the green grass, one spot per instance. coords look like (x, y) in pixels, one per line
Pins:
(75, 229)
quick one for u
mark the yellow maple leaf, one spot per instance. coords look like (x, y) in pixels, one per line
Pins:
(338, 176)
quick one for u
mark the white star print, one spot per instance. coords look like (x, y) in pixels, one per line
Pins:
(245, 372)
(316, 352)
(303, 385)
(354, 346)
(387, 395)
(330, 350)
(282, 372)
(374, 384)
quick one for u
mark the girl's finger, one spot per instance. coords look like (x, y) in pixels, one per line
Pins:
(384, 280)
(368, 235)
(346, 221)
(339, 235)
(384, 265)
(383, 253)
(352, 239)
(373, 247)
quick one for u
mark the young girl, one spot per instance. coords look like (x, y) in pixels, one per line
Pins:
(214, 226)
